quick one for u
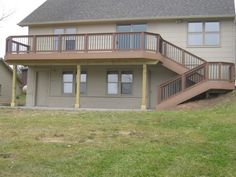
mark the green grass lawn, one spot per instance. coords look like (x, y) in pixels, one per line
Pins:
(199, 143)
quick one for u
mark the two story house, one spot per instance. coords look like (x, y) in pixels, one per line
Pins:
(126, 54)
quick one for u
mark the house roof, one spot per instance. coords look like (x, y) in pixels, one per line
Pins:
(62, 11)
(9, 69)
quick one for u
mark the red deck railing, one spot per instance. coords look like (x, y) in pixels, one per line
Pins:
(199, 69)
(101, 42)
(217, 71)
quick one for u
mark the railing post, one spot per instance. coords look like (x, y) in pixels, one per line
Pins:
(165, 49)
(34, 44)
(220, 64)
(183, 82)
(183, 57)
(60, 43)
(159, 95)
(113, 42)
(9, 45)
(17, 48)
(207, 71)
(158, 44)
(232, 73)
(86, 43)
(143, 41)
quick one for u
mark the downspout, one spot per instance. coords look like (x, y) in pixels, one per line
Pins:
(235, 45)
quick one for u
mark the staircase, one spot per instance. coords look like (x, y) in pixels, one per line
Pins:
(196, 76)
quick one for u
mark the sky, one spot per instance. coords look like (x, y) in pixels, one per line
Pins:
(20, 9)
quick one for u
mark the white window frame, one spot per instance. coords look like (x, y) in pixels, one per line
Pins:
(68, 82)
(204, 33)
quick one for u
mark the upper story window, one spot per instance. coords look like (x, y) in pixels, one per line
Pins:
(127, 40)
(68, 42)
(204, 33)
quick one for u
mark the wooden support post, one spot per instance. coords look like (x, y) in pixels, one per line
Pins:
(13, 100)
(77, 102)
(144, 88)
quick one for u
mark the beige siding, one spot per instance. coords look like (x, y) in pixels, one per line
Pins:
(177, 33)
(96, 96)
(6, 84)
(171, 31)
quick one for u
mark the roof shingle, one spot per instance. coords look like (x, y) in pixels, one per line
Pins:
(82, 10)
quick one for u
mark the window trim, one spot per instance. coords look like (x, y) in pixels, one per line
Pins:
(73, 83)
(107, 82)
(126, 72)
(119, 72)
(203, 33)
(86, 83)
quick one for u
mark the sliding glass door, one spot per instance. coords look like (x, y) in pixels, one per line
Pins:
(127, 40)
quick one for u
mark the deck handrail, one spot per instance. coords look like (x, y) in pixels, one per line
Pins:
(209, 71)
(198, 69)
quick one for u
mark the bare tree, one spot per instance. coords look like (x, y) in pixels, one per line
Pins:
(5, 15)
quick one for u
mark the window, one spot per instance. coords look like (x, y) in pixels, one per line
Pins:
(126, 40)
(0, 89)
(203, 33)
(126, 82)
(112, 82)
(83, 82)
(68, 80)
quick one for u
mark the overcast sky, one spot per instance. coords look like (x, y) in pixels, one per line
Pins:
(20, 9)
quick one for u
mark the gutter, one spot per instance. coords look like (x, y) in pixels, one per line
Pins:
(22, 24)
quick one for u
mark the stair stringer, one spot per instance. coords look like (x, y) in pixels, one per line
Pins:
(194, 91)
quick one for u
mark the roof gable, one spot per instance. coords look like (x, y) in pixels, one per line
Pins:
(82, 10)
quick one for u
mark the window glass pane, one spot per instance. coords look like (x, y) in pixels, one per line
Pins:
(112, 88)
(195, 27)
(68, 77)
(68, 88)
(212, 39)
(123, 28)
(58, 31)
(195, 39)
(70, 31)
(83, 88)
(127, 77)
(126, 88)
(212, 26)
(139, 28)
(83, 77)
(112, 77)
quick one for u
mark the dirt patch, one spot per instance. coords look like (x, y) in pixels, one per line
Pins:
(7, 155)
(206, 103)
(129, 133)
(53, 140)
